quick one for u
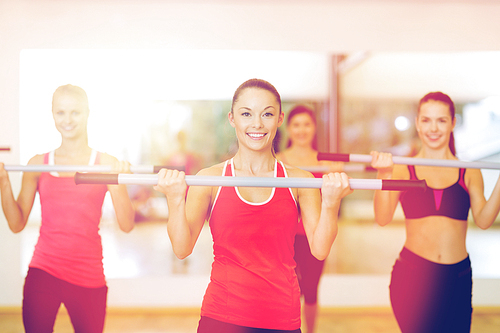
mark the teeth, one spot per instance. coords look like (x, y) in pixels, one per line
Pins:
(256, 135)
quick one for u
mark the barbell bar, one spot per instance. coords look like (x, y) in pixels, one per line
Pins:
(345, 168)
(365, 158)
(86, 168)
(356, 184)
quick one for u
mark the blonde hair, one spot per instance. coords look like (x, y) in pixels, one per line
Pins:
(69, 89)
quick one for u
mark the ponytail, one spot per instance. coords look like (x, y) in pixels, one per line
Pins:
(452, 144)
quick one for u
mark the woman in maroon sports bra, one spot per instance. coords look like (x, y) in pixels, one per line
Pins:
(431, 282)
(253, 286)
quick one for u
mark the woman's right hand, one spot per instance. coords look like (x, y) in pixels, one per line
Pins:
(4, 176)
(383, 163)
(172, 183)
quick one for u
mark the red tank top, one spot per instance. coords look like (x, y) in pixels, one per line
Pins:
(253, 281)
(69, 246)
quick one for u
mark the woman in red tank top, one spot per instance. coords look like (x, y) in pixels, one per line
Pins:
(431, 282)
(67, 263)
(253, 228)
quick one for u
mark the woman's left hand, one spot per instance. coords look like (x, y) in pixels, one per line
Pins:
(120, 167)
(335, 187)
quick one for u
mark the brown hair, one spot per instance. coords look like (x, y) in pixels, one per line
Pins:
(256, 83)
(443, 98)
(260, 84)
(296, 111)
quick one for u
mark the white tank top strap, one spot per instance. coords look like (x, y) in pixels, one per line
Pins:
(51, 157)
(93, 157)
(218, 190)
(286, 176)
(51, 162)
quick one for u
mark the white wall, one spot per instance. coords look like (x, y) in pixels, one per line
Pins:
(465, 76)
(318, 26)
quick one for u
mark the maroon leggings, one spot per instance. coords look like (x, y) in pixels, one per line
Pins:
(209, 325)
(43, 295)
(430, 297)
(308, 269)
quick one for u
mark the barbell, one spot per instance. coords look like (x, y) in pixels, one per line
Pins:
(291, 182)
(365, 158)
(86, 168)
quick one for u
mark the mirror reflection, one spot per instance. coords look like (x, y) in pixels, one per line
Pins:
(170, 108)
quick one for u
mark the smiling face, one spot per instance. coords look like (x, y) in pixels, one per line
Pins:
(256, 117)
(435, 124)
(301, 129)
(70, 112)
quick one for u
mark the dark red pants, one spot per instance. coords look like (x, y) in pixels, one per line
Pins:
(209, 325)
(309, 269)
(43, 295)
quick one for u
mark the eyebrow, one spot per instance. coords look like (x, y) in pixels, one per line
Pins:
(443, 117)
(247, 108)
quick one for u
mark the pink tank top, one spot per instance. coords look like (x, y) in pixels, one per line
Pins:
(69, 246)
(253, 281)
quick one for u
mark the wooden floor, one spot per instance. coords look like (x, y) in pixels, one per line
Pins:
(485, 320)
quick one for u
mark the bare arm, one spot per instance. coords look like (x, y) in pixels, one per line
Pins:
(320, 212)
(186, 216)
(385, 202)
(17, 211)
(484, 211)
(122, 204)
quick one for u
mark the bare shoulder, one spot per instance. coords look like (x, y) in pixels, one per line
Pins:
(107, 159)
(400, 172)
(214, 170)
(281, 155)
(36, 160)
(33, 176)
(473, 176)
(297, 172)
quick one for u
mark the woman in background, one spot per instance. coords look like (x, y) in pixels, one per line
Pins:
(302, 151)
(67, 263)
(431, 283)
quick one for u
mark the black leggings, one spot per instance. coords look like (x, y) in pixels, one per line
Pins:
(308, 269)
(43, 295)
(430, 297)
(209, 325)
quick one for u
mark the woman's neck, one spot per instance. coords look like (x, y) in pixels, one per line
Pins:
(302, 150)
(74, 148)
(443, 153)
(254, 163)
(303, 155)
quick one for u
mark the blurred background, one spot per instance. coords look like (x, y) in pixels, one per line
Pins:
(160, 77)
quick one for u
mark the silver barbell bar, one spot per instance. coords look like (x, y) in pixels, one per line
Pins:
(85, 168)
(355, 184)
(365, 158)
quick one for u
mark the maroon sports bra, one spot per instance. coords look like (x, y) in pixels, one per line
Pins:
(452, 202)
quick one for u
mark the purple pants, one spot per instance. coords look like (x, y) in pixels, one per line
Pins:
(430, 297)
